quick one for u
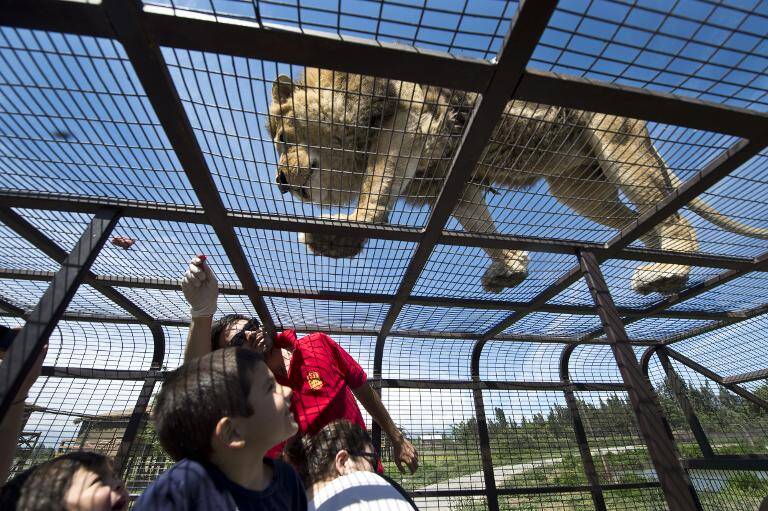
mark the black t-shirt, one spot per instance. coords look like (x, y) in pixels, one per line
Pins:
(191, 485)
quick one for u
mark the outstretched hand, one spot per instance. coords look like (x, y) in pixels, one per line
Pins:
(200, 287)
(406, 454)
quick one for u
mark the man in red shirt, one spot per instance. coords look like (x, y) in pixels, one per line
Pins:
(325, 379)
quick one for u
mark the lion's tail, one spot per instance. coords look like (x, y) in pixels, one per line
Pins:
(704, 210)
(710, 214)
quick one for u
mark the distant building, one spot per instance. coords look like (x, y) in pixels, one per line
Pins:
(100, 432)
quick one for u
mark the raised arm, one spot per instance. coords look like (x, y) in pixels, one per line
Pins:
(201, 289)
(405, 453)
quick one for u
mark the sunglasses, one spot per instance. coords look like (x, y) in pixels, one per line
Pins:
(372, 457)
(239, 338)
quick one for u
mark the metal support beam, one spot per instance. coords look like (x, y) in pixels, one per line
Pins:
(195, 215)
(674, 481)
(11, 308)
(406, 334)
(41, 322)
(746, 377)
(99, 374)
(151, 69)
(679, 389)
(539, 301)
(567, 246)
(378, 383)
(139, 414)
(637, 103)
(531, 490)
(581, 435)
(484, 440)
(228, 36)
(525, 30)
(179, 28)
(708, 373)
(428, 301)
(748, 462)
(46, 245)
(659, 309)
(760, 264)
(57, 16)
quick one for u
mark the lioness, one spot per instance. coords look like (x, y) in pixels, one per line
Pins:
(343, 137)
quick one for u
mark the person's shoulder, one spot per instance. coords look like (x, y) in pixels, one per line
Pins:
(183, 482)
(186, 471)
(360, 491)
(288, 488)
(285, 474)
(368, 478)
(315, 338)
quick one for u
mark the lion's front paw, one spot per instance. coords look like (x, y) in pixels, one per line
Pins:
(332, 245)
(499, 276)
(660, 278)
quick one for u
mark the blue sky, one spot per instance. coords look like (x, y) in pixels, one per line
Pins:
(87, 88)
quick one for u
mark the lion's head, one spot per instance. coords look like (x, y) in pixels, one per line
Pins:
(323, 127)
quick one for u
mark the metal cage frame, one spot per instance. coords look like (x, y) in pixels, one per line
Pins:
(144, 29)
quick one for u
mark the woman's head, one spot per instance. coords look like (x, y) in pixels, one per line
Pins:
(338, 449)
(78, 481)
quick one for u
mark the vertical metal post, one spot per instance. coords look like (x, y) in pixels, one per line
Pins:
(140, 409)
(378, 362)
(482, 430)
(41, 322)
(674, 480)
(678, 388)
(581, 435)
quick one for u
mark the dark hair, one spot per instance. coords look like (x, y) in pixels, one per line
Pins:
(313, 456)
(198, 394)
(43, 486)
(222, 324)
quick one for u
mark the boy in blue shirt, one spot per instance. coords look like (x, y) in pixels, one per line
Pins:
(217, 415)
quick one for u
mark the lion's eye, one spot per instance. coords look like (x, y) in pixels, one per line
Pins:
(281, 138)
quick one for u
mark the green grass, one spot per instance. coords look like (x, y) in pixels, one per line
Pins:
(742, 492)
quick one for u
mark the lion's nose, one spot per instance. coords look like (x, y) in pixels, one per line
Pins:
(282, 182)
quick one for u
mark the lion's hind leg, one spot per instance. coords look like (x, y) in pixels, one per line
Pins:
(587, 191)
(627, 157)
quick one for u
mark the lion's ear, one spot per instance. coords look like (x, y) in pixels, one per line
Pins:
(282, 89)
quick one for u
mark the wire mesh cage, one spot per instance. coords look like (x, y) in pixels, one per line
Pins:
(539, 227)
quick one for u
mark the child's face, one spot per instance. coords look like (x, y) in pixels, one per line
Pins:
(92, 491)
(272, 420)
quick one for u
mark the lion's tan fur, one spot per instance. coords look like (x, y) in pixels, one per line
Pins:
(344, 138)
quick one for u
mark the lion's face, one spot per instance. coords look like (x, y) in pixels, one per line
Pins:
(317, 157)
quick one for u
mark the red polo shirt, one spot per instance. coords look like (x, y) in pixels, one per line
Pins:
(321, 375)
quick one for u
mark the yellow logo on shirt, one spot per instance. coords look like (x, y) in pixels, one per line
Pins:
(313, 378)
